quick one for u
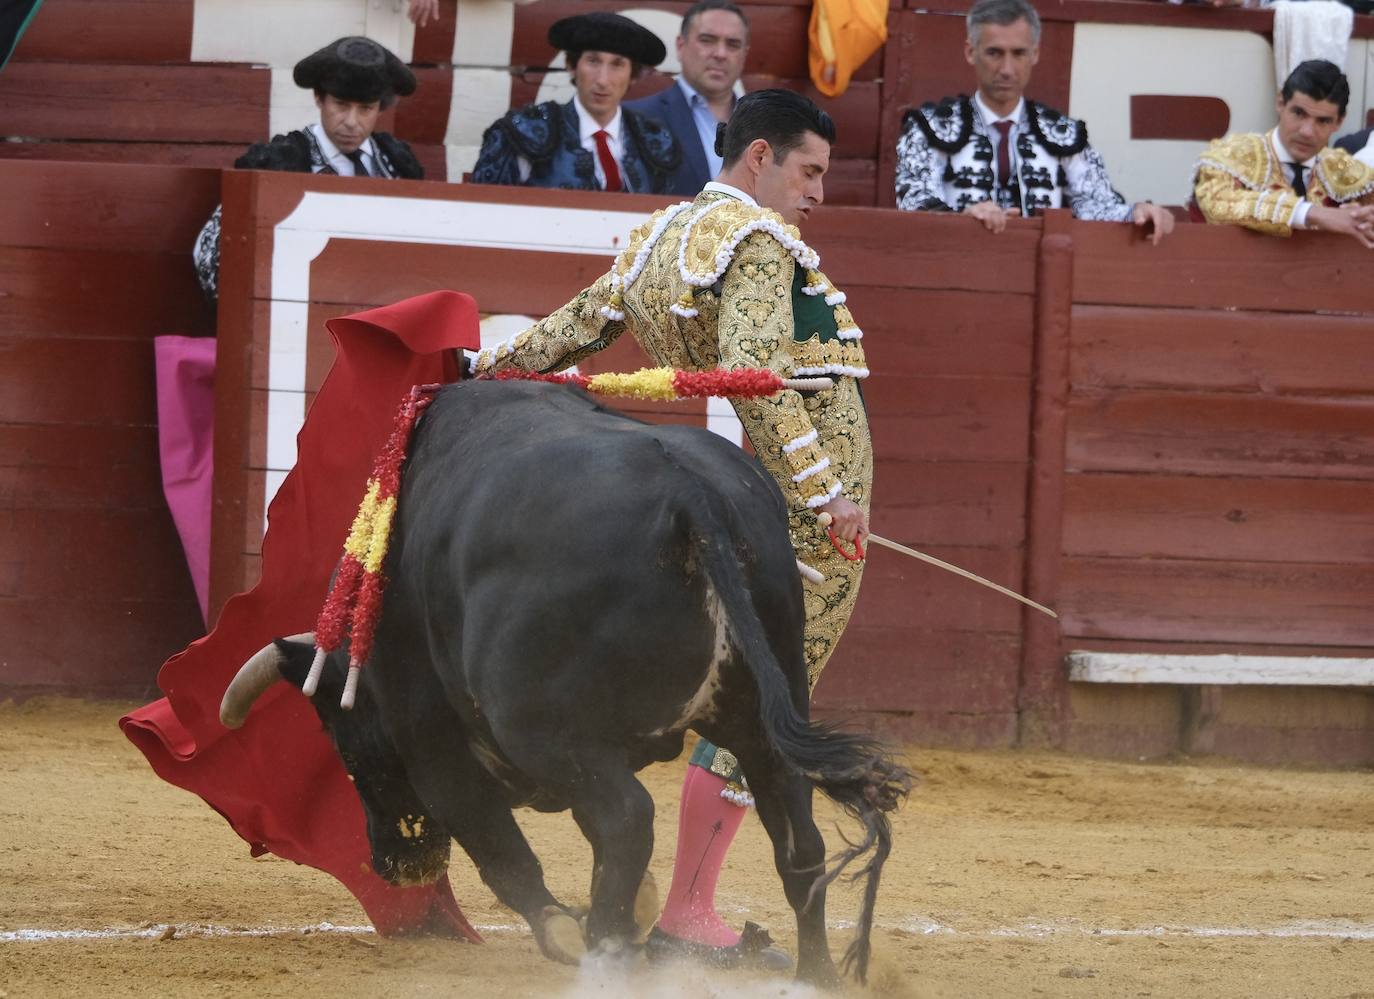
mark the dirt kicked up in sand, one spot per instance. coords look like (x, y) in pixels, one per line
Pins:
(1013, 875)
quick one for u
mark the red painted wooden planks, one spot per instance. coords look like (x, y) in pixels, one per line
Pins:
(1182, 600)
(109, 31)
(423, 116)
(1263, 352)
(434, 41)
(97, 647)
(1208, 434)
(498, 279)
(63, 380)
(1202, 269)
(91, 294)
(950, 419)
(92, 554)
(219, 155)
(1232, 519)
(882, 669)
(864, 246)
(113, 208)
(198, 103)
(949, 502)
(76, 466)
(932, 332)
(901, 592)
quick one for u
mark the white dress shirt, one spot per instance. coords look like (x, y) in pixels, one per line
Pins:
(989, 118)
(1285, 160)
(340, 163)
(734, 192)
(587, 132)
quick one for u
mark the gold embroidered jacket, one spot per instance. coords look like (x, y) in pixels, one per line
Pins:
(1240, 180)
(720, 283)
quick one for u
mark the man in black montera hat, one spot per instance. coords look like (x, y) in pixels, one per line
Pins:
(354, 80)
(593, 142)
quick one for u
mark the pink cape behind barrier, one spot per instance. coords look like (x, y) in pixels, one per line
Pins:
(278, 781)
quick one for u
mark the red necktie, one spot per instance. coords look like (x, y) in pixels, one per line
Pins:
(603, 153)
(1003, 152)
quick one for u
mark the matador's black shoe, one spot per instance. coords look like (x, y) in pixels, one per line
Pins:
(754, 950)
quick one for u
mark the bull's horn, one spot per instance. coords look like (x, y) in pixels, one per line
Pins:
(252, 681)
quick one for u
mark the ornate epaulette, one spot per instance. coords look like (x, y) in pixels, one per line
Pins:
(1343, 177)
(400, 158)
(289, 153)
(706, 247)
(946, 125)
(653, 140)
(1057, 132)
(533, 130)
(1245, 156)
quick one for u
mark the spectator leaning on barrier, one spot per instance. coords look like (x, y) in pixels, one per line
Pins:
(592, 143)
(711, 48)
(354, 80)
(1288, 178)
(997, 154)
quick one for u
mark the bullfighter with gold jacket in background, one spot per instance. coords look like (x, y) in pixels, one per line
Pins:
(1289, 178)
(726, 281)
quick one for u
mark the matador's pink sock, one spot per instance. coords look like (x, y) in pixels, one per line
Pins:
(706, 826)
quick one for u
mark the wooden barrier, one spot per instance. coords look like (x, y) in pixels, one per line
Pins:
(94, 591)
(1190, 451)
(1178, 458)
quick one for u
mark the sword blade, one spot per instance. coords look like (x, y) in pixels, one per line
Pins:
(879, 540)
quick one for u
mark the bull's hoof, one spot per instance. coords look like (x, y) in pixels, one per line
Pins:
(646, 907)
(560, 936)
(754, 950)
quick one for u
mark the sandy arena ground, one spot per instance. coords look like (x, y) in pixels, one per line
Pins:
(1013, 875)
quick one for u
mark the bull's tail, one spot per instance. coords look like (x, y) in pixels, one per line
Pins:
(857, 772)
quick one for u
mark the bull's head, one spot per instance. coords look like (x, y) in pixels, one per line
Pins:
(409, 846)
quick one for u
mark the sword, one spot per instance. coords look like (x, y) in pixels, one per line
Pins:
(825, 521)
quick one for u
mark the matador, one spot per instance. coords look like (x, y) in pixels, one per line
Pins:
(726, 281)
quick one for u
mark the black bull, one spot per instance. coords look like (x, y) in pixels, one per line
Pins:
(570, 591)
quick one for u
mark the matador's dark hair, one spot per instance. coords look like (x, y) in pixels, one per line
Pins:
(782, 118)
(1319, 80)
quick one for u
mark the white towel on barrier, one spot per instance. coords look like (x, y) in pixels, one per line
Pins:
(1310, 29)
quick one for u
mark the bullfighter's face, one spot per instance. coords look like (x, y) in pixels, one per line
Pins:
(793, 184)
(1002, 57)
(347, 123)
(1307, 124)
(602, 79)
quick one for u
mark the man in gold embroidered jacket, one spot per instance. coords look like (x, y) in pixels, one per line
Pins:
(1289, 178)
(726, 281)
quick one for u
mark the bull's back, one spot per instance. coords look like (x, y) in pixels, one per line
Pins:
(534, 524)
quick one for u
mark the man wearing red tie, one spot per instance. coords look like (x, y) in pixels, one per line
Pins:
(591, 143)
(998, 154)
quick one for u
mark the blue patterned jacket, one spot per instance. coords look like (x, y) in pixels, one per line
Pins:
(547, 136)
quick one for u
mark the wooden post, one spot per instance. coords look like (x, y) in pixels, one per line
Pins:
(233, 377)
(1042, 690)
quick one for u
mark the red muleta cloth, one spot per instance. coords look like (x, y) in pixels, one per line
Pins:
(278, 780)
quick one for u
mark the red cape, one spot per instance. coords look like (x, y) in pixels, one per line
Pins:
(278, 780)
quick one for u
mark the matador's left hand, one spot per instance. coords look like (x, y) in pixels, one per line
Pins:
(847, 519)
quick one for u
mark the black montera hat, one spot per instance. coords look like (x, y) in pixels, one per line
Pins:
(602, 31)
(355, 69)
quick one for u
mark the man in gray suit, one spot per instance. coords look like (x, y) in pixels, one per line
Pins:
(711, 48)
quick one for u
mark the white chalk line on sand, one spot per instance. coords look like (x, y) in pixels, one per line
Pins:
(1342, 929)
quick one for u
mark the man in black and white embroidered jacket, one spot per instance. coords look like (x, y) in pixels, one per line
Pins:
(997, 155)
